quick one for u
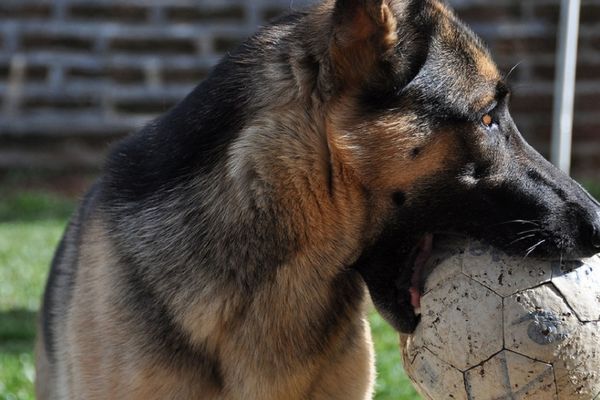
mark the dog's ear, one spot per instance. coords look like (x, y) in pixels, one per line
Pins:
(363, 32)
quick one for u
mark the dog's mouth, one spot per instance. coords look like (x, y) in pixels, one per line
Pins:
(396, 277)
(418, 259)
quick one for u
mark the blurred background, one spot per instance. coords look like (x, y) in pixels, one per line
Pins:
(76, 75)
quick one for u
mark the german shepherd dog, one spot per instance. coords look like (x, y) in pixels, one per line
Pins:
(227, 249)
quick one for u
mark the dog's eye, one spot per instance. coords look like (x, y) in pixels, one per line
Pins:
(487, 120)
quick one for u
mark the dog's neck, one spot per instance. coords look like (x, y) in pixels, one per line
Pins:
(287, 223)
(282, 165)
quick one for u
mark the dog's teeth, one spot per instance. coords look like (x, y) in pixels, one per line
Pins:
(418, 311)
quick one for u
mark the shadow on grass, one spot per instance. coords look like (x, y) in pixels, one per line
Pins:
(34, 206)
(17, 331)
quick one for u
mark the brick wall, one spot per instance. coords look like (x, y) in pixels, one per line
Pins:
(75, 74)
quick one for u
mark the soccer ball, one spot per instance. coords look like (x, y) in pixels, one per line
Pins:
(500, 327)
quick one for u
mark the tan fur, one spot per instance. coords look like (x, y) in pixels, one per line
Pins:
(101, 345)
(43, 371)
(486, 70)
(360, 41)
(379, 151)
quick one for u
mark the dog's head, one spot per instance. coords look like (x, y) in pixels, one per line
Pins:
(420, 115)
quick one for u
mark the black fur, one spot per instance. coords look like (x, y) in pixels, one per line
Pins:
(186, 141)
(385, 268)
(49, 304)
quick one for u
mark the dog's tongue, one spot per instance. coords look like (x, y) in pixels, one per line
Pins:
(423, 253)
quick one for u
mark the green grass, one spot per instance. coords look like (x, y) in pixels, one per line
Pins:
(392, 383)
(30, 227)
(593, 187)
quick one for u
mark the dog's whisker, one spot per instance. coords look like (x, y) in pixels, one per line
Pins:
(529, 231)
(561, 258)
(520, 221)
(521, 238)
(512, 70)
(535, 246)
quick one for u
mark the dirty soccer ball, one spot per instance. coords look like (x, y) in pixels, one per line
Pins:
(500, 327)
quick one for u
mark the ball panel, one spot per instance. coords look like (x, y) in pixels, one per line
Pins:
(538, 323)
(442, 267)
(511, 376)
(503, 274)
(436, 379)
(580, 287)
(462, 323)
(412, 344)
(577, 366)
